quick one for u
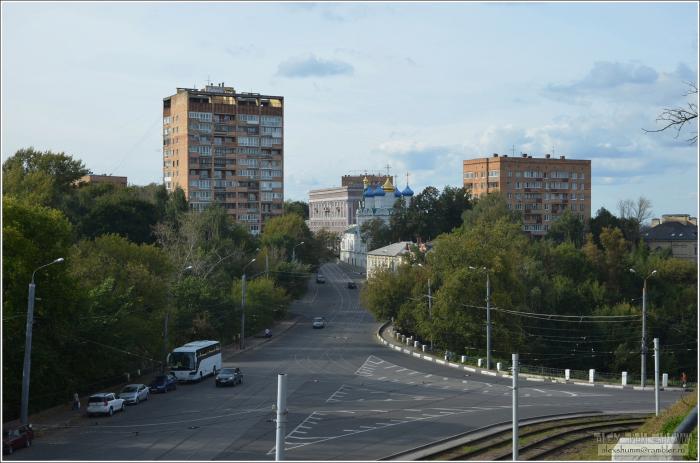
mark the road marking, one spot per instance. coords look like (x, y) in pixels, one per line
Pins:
(473, 370)
(585, 384)
(571, 394)
(613, 386)
(402, 369)
(539, 390)
(534, 379)
(440, 361)
(428, 376)
(490, 373)
(428, 358)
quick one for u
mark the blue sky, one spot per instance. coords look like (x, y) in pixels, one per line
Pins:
(417, 86)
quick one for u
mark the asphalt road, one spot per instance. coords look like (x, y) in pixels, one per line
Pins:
(349, 398)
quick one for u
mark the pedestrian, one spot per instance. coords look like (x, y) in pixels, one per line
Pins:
(76, 401)
(684, 379)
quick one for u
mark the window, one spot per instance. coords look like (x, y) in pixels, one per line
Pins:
(469, 175)
(200, 116)
(249, 118)
(249, 141)
(493, 173)
(167, 120)
(273, 131)
(271, 121)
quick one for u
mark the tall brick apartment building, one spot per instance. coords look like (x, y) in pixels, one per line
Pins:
(225, 147)
(540, 188)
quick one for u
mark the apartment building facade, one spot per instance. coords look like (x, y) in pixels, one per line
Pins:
(540, 188)
(226, 147)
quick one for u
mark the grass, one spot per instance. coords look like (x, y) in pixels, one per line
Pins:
(663, 424)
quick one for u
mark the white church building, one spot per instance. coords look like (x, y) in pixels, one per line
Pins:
(377, 203)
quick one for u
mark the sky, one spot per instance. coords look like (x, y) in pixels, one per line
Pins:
(418, 87)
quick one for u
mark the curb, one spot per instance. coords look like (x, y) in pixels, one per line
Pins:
(527, 377)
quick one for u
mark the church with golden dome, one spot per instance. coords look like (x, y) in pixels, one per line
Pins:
(377, 203)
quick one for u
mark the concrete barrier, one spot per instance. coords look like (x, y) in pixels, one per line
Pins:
(464, 359)
(424, 347)
(415, 346)
(624, 378)
(498, 366)
(567, 374)
(479, 363)
(591, 375)
(664, 380)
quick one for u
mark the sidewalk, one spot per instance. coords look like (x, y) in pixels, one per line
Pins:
(62, 416)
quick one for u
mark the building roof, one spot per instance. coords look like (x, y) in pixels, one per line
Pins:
(378, 191)
(392, 250)
(672, 231)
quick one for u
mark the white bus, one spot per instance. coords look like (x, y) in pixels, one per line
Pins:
(195, 360)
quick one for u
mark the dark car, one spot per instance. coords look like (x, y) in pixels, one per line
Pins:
(351, 285)
(17, 438)
(163, 383)
(229, 377)
(320, 278)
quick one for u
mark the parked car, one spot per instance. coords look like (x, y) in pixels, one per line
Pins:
(351, 285)
(163, 383)
(229, 377)
(319, 322)
(134, 393)
(320, 278)
(13, 439)
(105, 403)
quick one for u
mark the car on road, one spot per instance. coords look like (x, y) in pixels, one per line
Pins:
(105, 403)
(229, 377)
(318, 322)
(320, 278)
(352, 285)
(134, 393)
(13, 439)
(163, 383)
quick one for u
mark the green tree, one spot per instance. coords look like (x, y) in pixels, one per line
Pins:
(41, 177)
(34, 235)
(300, 208)
(568, 227)
(375, 233)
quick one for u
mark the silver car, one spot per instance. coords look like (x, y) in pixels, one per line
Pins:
(134, 393)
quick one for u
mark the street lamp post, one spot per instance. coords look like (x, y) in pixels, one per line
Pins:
(243, 304)
(294, 256)
(644, 327)
(24, 411)
(166, 322)
(488, 316)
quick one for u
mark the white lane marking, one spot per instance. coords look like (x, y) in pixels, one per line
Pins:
(539, 390)
(571, 394)
(428, 376)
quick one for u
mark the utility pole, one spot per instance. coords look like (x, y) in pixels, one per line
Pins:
(243, 291)
(430, 313)
(488, 321)
(644, 328)
(281, 423)
(26, 370)
(515, 406)
(243, 312)
(656, 375)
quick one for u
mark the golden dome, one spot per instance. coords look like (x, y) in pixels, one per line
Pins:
(388, 187)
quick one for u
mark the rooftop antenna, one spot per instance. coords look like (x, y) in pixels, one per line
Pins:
(208, 80)
(513, 151)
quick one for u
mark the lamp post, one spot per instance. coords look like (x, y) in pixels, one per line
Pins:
(166, 322)
(488, 316)
(243, 304)
(430, 309)
(294, 256)
(644, 326)
(24, 411)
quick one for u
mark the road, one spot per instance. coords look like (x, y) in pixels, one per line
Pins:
(349, 398)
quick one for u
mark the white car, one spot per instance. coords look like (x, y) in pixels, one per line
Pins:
(134, 393)
(105, 403)
(319, 322)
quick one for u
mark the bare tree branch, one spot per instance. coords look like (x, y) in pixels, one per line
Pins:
(677, 118)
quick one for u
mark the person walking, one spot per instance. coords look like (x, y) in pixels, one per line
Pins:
(684, 379)
(76, 401)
